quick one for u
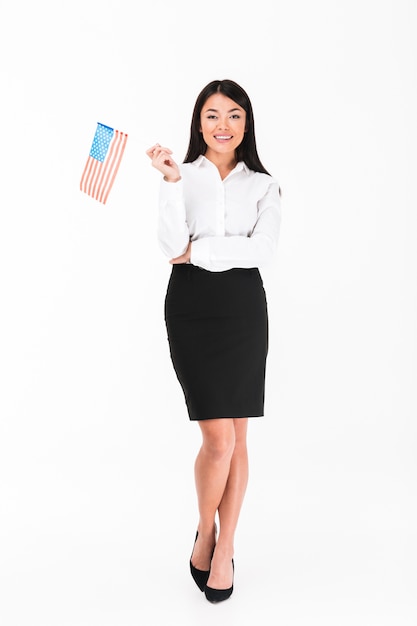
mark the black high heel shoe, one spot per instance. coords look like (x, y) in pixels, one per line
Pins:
(200, 576)
(218, 595)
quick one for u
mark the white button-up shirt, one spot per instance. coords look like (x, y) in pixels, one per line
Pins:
(232, 223)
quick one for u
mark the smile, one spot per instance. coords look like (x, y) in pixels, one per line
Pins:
(222, 137)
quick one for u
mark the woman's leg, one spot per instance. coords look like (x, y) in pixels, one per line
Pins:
(221, 575)
(221, 472)
(212, 467)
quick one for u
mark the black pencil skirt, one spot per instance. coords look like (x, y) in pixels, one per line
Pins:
(217, 325)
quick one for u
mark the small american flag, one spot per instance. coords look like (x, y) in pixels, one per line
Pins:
(103, 162)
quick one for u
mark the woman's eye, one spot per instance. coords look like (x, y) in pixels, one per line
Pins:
(211, 117)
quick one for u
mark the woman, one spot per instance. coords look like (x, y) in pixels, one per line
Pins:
(219, 219)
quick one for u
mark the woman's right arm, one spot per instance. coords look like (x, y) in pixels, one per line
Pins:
(173, 233)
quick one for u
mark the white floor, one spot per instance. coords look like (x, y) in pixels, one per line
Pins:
(94, 541)
(117, 580)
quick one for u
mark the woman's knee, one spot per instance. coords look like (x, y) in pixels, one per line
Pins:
(219, 439)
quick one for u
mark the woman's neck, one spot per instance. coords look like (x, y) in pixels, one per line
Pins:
(225, 163)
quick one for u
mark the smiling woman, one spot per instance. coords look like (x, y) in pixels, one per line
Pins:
(219, 220)
(223, 127)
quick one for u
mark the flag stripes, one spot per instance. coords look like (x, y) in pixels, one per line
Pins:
(103, 162)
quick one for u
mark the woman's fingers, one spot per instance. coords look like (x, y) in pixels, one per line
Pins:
(163, 157)
(184, 258)
(151, 151)
(156, 150)
(162, 160)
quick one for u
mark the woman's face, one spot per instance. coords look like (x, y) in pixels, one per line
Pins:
(223, 124)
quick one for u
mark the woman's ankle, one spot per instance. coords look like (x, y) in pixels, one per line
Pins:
(207, 530)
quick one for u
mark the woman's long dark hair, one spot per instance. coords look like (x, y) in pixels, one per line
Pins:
(246, 151)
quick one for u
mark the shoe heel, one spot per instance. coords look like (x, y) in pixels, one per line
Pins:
(219, 595)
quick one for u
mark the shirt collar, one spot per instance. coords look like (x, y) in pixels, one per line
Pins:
(241, 165)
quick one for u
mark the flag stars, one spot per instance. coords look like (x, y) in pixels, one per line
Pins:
(101, 142)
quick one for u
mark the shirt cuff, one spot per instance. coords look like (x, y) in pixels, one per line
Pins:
(170, 192)
(200, 252)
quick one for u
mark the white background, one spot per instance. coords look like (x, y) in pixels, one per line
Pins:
(98, 511)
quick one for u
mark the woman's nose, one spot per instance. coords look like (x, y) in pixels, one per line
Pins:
(223, 123)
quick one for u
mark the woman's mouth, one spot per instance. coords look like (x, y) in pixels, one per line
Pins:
(223, 138)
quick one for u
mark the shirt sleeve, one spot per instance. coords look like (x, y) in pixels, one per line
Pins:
(218, 254)
(173, 232)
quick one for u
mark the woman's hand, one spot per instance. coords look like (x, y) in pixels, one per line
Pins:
(184, 258)
(164, 163)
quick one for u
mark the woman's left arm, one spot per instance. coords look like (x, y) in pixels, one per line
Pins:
(218, 254)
